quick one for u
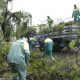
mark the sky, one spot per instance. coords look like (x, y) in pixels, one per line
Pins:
(58, 10)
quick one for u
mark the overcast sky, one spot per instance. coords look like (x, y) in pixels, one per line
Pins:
(40, 9)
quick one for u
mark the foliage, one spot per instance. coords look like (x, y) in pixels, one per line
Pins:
(4, 48)
(61, 28)
(45, 69)
(4, 18)
(9, 19)
(21, 27)
(45, 30)
(69, 23)
(78, 32)
(72, 44)
(56, 29)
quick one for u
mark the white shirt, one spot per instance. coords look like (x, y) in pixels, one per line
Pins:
(25, 45)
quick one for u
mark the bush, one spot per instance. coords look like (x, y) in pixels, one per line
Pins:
(4, 47)
(46, 69)
(65, 69)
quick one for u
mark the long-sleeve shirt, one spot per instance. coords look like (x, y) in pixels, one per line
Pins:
(76, 13)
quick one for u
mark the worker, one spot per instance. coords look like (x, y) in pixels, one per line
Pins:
(76, 14)
(50, 21)
(32, 43)
(48, 47)
(18, 57)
